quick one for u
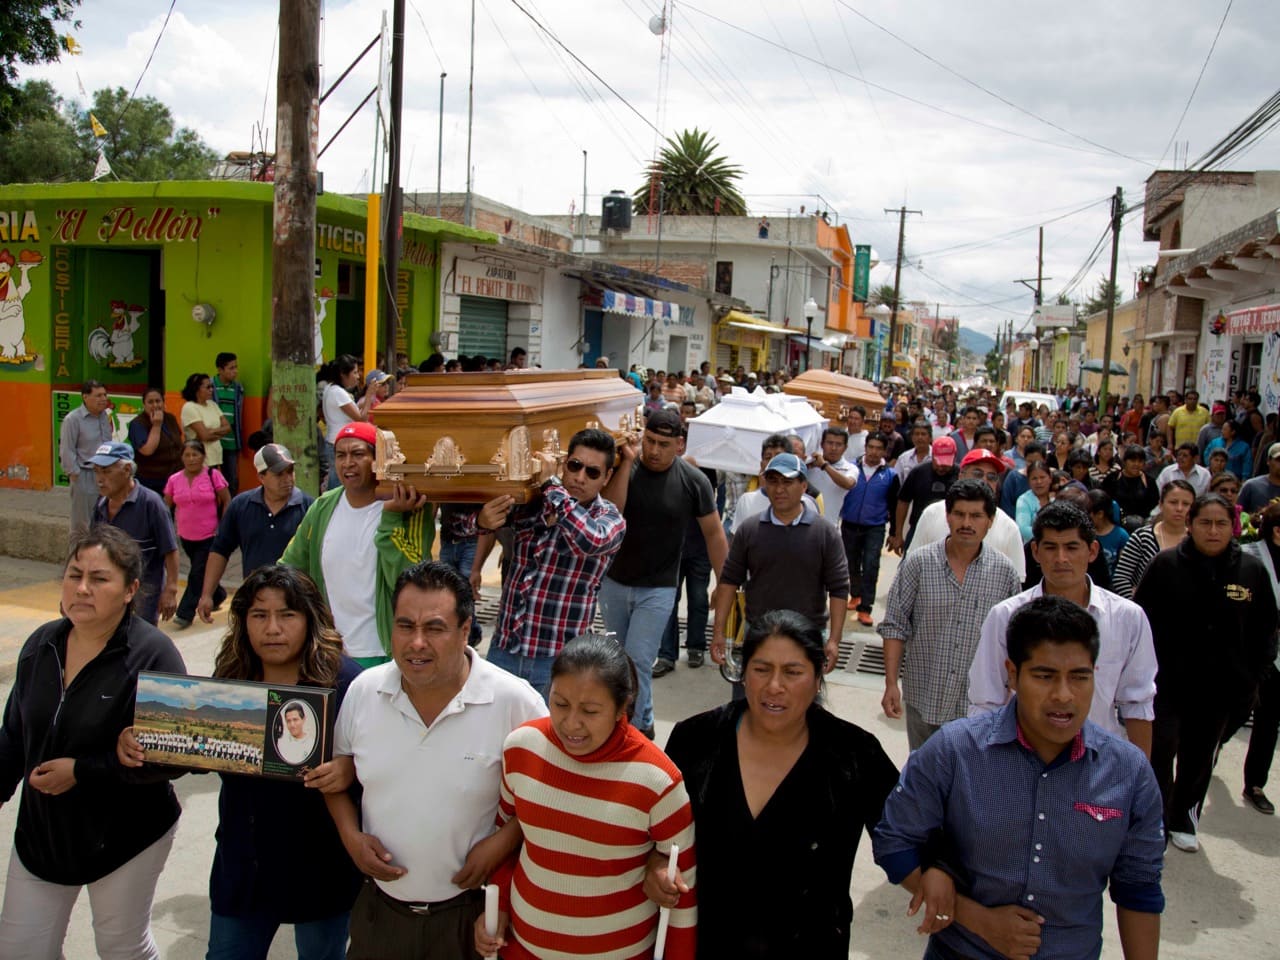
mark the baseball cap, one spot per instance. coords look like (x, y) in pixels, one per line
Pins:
(787, 464)
(1219, 408)
(1273, 451)
(111, 453)
(376, 376)
(361, 431)
(272, 458)
(665, 423)
(943, 451)
(984, 457)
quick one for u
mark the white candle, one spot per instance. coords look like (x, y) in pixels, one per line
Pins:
(491, 910)
(664, 913)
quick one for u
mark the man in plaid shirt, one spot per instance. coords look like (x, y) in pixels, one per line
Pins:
(565, 539)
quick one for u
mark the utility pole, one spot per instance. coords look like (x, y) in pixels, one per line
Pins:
(393, 201)
(897, 276)
(1117, 215)
(293, 238)
(471, 107)
(440, 149)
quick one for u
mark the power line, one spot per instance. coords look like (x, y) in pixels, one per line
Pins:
(881, 87)
(991, 93)
(431, 43)
(1196, 85)
(155, 46)
(989, 241)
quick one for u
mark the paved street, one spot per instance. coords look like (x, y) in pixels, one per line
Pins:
(1218, 899)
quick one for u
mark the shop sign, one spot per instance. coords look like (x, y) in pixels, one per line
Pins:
(340, 239)
(498, 281)
(861, 271)
(128, 222)
(1253, 321)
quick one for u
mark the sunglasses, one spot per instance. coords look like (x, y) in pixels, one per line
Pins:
(574, 465)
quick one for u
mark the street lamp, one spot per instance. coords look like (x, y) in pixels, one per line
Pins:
(810, 311)
(881, 312)
(1034, 344)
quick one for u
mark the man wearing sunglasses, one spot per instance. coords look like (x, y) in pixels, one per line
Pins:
(564, 542)
(1004, 536)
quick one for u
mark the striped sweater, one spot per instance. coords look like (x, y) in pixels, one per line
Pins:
(590, 824)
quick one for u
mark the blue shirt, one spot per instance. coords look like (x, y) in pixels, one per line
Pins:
(872, 500)
(144, 517)
(259, 534)
(1048, 837)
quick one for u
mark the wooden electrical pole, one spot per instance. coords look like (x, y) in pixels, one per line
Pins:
(293, 239)
(1117, 215)
(897, 276)
(393, 201)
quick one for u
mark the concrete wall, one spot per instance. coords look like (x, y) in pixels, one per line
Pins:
(1210, 210)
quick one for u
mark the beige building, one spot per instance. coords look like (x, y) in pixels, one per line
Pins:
(1123, 350)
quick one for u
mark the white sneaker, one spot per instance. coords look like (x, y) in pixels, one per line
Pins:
(1185, 842)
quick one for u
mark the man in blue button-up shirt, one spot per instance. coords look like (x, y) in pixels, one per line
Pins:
(1038, 808)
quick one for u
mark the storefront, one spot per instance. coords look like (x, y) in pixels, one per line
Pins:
(746, 341)
(135, 284)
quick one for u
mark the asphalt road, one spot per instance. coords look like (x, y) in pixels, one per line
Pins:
(1218, 899)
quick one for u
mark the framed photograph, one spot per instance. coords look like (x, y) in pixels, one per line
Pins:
(233, 726)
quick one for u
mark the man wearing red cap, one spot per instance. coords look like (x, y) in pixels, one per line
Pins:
(355, 546)
(927, 483)
(1003, 536)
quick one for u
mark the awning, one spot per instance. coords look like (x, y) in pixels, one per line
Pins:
(631, 305)
(745, 321)
(814, 343)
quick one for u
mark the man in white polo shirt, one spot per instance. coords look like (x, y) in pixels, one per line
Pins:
(425, 732)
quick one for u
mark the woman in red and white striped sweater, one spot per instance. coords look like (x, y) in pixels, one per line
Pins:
(594, 798)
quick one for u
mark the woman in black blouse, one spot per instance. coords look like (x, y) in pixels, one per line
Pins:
(776, 776)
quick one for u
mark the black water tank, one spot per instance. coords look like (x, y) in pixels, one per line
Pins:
(615, 211)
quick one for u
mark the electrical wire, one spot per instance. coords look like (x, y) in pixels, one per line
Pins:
(154, 47)
(891, 92)
(991, 93)
(1196, 86)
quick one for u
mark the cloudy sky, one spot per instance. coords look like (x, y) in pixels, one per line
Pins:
(992, 118)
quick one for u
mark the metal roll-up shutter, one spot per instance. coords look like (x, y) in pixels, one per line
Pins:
(724, 356)
(482, 327)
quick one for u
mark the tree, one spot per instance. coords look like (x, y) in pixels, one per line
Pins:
(142, 142)
(883, 294)
(692, 179)
(992, 362)
(1106, 293)
(28, 36)
(41, 146)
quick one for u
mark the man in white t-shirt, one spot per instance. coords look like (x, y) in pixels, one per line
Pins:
(297, 742)
(354, 545)
(425, 734)
(855, 422)
(831, 474)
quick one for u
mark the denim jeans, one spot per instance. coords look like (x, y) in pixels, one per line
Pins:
(249, 938)
(696, 572)
(197, 552)
(461, 556)
(537, 670)
(638, 615)
(862, 546)
(328, 469)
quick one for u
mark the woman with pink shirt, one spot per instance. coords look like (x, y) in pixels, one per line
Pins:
(197, 495)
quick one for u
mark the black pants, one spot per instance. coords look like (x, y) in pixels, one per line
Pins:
(198, 553)
(385, 929)
(1188, 730)
(1266, 729)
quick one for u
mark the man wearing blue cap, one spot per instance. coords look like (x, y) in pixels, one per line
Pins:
(785, 558)
(139, 512)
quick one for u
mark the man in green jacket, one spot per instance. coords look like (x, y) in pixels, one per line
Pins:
(355, 546)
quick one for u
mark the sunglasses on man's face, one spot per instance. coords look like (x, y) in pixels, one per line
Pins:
(573, 465)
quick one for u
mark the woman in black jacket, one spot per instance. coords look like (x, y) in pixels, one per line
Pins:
(776, 775)
(1213, 621)
(83, 819)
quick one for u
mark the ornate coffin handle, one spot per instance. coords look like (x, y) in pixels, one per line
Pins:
(387, 456)
(515, 456)
(446, 457)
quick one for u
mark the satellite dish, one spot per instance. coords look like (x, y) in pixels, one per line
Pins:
(657, 24)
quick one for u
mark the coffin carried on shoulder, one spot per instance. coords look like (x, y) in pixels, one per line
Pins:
(470, 437)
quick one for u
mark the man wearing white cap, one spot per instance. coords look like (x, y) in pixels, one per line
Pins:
(259, 523)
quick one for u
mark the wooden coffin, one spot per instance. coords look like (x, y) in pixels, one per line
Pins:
(469, 437)
(836, 393)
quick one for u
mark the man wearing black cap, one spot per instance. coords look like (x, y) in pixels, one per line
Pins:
(259, 522)
(658, 493)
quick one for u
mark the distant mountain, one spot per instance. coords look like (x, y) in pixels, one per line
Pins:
(207, 713)
(977, 343)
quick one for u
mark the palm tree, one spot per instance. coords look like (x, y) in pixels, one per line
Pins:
(692, 179)
(883, 294)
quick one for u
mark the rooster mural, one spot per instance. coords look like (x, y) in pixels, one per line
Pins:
(113, 346)
(13, 321)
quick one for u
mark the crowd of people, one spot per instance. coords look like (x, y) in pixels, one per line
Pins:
(1061, 720)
